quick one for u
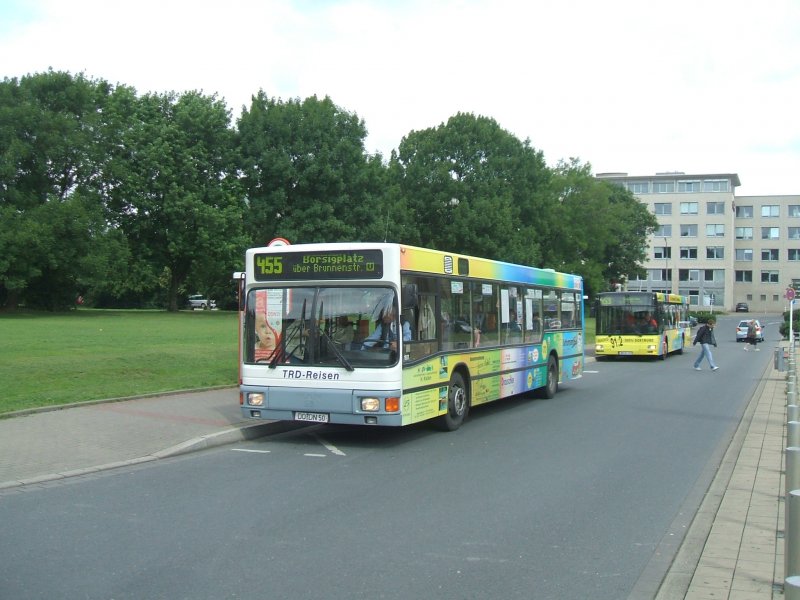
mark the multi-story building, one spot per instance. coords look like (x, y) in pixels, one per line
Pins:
(715, 247)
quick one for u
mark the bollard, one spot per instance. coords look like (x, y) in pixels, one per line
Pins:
(793, 434)
(792, 534)
(792, 473)
(793, 412)
(790, 398)
(779, 363)
(791, 588)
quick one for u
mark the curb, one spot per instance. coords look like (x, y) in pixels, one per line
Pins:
(220, 438)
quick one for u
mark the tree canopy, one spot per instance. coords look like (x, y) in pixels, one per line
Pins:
(139, 200)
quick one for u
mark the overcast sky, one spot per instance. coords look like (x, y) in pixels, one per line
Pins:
(628, 86)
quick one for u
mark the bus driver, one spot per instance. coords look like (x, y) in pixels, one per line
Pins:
(385, 334)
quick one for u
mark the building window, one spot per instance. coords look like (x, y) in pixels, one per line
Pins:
(794, 210)
(688, 208)
(769, 233)
(663, 187)
(715, 252)
(688, 186)
(663, 208)
(769, 277)
(744, 276)
(660, 274)
(639, 187)
(744, 254)
(744, 212)
(715, 208)
(715, 185)
(662, 252)
(688, 251)
(688, 274)
(794, 254)
(715, 230)
(745, 233)
(769, 254)
(711, 275)
(770, 210)
(794, 233)
(663, 231)
(688, 230)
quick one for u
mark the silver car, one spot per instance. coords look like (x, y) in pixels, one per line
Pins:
(200, 301)
(741, 331)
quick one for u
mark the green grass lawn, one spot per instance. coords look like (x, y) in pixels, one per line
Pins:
(52, 359)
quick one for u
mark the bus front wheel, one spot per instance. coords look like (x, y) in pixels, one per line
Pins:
(457, 404)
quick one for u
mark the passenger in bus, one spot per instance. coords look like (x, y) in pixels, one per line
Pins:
(343, 332)
(385, 334)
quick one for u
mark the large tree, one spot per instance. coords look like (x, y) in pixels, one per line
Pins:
(469, 186)
(177, 197)
(306, 174)
(52, 153)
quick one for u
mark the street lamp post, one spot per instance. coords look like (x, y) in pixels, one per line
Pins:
(667, 274)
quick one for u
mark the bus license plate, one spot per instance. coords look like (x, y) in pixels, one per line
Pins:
(626, 353)
(313, 417)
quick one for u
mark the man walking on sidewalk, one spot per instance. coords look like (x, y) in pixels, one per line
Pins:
(705, 337)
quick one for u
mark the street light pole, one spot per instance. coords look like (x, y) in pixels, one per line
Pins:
(666, 266)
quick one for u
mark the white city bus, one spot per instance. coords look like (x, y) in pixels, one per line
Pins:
(460, 331)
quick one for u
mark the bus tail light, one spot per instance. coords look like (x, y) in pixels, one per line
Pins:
(392, 404)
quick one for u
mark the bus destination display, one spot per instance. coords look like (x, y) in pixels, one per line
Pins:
(355, 264)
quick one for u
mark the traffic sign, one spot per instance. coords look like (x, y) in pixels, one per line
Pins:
(790, 293)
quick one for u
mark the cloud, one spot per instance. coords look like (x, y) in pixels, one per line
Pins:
(625, 85)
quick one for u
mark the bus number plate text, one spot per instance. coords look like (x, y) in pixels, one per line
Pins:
(313, 417)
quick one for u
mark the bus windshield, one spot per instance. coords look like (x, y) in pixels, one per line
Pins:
(321, 326)
(631, 318)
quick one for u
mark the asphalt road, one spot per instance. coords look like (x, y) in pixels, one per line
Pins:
(566, 498)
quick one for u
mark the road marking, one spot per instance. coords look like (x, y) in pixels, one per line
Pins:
(315, 455)
(253, 451)
(585, 371)
(331, 448)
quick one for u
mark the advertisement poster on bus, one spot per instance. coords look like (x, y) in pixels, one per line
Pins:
(269, 310)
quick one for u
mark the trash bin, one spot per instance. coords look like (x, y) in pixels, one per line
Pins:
(780, 363)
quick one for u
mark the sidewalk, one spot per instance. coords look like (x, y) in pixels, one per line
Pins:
(733, 549)
(98, 436)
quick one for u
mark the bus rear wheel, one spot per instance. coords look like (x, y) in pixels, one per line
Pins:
(457, 404)
(551, 385)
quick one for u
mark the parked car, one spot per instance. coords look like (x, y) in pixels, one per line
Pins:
(200, 301)
(741, 331)
(742, 307)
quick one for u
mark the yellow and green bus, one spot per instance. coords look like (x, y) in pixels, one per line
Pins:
(641, 324)
(389, 334)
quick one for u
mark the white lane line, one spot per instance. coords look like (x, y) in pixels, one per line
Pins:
(331, 448)
(253, 451)
(585, 371)
(315, 455)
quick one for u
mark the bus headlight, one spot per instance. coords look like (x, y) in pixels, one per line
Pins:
(255, 399)
(599, 348)
(651, 347)
(370, 404)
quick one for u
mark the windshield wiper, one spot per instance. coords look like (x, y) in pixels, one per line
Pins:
(282, 354)
(336, 351)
